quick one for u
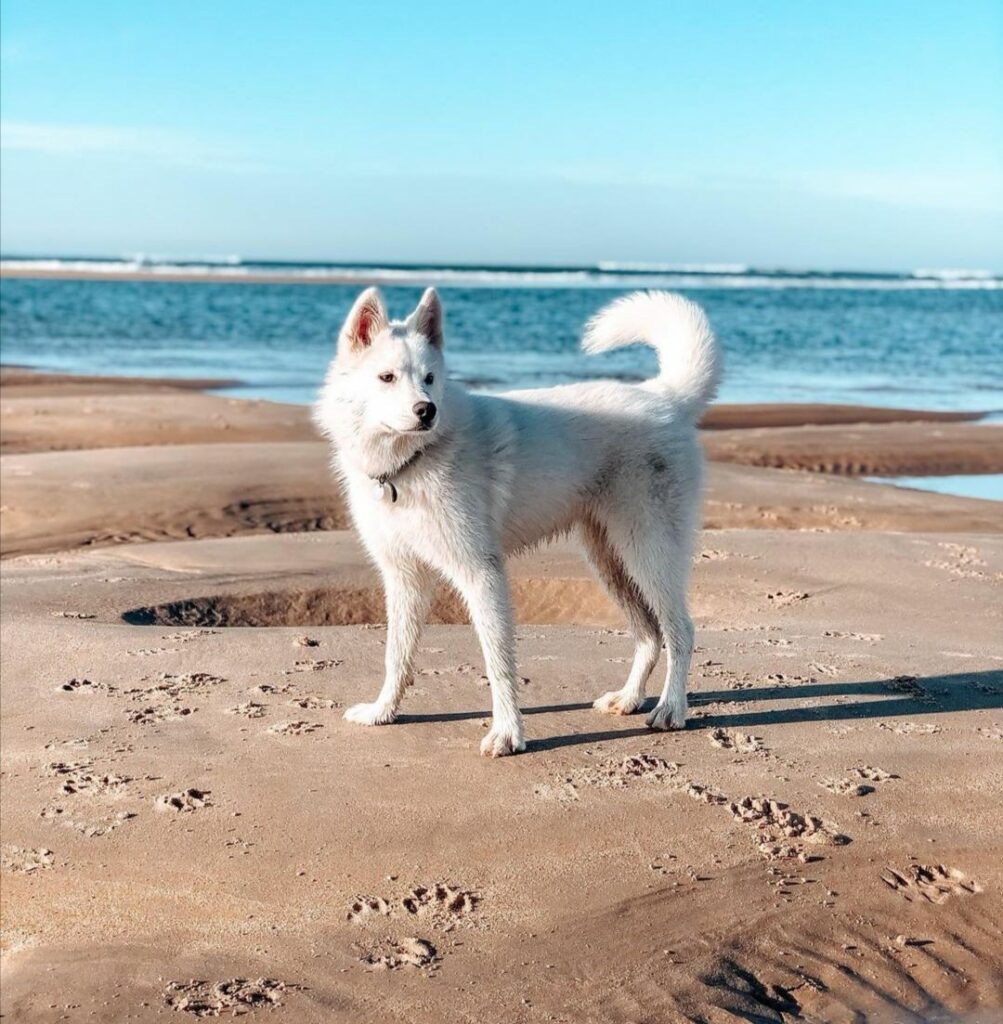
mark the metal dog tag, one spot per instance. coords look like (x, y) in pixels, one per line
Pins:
(384, 490)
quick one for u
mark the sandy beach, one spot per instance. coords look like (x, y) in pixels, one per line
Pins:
(189, 827)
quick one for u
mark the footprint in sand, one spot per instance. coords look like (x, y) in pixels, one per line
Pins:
(910, 728)
(990, 689)
(991, 732)
(162, 701)
(365, 908)
(822, 669)
(76, 777)
(294, 728)
(89, 828)
(620, 772)
(782, 832)
(871, 774)
(781, 679)
(395, 953)
(24, 861)
(959, 560)
(305, 641)
(270, 689)
(705, 794)
(934, 883)
(311, 702)
(910, 687)
(154, 713)
(187, 635)
(210, 999)
(846, 787)
(859, 782)
(559, 793)
(312, 665)
(85, 686)
(249, 709)
(175, 684)
(75, 744)
(184, 802)
(439, 904)
(732, 739)
(869, 638)
(782, 599)
(443, 903)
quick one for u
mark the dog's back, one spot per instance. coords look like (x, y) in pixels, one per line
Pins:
(571, 451)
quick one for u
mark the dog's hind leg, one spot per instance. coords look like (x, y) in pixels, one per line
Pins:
(408, 586)
(624, 590)
(670, 711)
(484, 588)
(658, 561)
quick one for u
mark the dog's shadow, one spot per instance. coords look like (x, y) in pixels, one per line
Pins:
(928, 695)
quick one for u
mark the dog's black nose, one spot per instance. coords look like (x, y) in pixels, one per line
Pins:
(425, 411)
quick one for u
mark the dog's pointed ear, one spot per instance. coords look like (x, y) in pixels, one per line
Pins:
(365, 320)
(427, 317)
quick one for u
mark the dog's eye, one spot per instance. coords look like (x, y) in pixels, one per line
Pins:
(387, 378)
(429, 378)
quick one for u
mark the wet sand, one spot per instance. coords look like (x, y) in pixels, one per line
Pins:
(190, 827)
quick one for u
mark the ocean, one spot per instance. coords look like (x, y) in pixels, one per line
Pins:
(923, 339)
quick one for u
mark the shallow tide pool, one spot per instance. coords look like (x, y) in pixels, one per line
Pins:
(974, 485)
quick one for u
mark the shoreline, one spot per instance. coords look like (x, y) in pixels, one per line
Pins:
(44, 411)
(148, 458)
(15, 375)
(720, 416)
(193, 277)
(476, 276)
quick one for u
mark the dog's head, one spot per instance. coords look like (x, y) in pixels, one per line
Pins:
(386, 380)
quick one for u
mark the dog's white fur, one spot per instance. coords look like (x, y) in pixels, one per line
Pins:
(619, 463)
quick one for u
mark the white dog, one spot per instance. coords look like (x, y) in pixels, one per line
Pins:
(443, 484)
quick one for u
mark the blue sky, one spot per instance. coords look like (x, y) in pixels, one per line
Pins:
(832, 135)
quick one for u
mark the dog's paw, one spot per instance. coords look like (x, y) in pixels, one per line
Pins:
(616, 702)
(370, 714)
(667, 716)
(503, 740)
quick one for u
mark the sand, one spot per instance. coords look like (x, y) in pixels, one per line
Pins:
(866, 449)
(189, 827)
(58, 412)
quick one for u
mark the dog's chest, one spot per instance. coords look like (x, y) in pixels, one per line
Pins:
(420, 521)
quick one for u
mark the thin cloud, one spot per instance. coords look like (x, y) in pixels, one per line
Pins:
(968, 190)
(155, 145)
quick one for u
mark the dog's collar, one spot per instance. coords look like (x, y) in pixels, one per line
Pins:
(383, 485)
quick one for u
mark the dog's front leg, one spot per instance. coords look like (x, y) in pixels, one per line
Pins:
(408, 588)
(487, 598)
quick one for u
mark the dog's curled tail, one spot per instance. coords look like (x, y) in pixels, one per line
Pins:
(689, 359)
